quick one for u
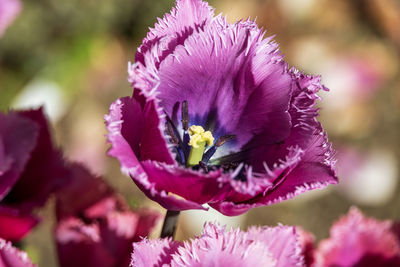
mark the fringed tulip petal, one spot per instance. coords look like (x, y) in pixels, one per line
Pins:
(31, 169)
(95, 225)
(359, 241)
(263, 247)
(13, 257)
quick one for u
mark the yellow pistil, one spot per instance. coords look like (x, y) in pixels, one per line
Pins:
(198, 141)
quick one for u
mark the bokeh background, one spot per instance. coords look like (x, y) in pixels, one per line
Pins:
(72, 57)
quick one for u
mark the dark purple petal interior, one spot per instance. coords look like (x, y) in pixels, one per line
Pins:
(45, 172)
(18, 137)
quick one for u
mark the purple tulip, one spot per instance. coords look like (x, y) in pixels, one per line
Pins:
(357, 241)
(13, 257)
(95, 225)
(217, 117)
(267, 247)
(30, 170)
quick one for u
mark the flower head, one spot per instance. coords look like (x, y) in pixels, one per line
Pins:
(217, 117)
(267, 247)
(359, 241)
(31, 168)
(95, 226)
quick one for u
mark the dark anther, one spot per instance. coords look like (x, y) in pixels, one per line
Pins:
(175, 139)
(211, 151)
(174, 115)
(223, 139)
(185, 127)
(203, 166)
(180, 157)
(185, 115)
(170, 131)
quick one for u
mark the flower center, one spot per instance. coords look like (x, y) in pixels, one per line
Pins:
(190, 149)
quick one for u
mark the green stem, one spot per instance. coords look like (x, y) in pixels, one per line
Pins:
(170, 222)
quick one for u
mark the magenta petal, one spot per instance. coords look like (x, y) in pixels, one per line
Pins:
(77, 242)
(167, 201)
(18, 137)
(190, 185)
(274, 178)
(95, 225)
(45, 172)
(282, 242)
(118, 233)
(13, 257)
(186, 14)
(259, 247)
(83, 191)
(315, 170)
(30, 170)
(307, 241)
(152, 138)
(215, 247)
(311, 167)
(312, 170)
(355, 238)
(120, 148)
(14, 225)
(153, 253)
(147, 220)
(134, 123)
(175, 27)
(233, 100)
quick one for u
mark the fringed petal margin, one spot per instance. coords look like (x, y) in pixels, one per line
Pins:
(13, 257)
(155, 253)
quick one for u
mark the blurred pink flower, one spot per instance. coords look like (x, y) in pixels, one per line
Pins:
(11, 256)
(368, 176)
(9, 10)
(31, 168)
(306, 240)
(263, 247)
(95, 225)
(359, 241)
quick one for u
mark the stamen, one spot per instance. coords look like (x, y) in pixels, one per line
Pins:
(170, 131)
(185, 115)
(222, 140)
(210, 152)
(185, 127)
(179, 155)
(173, 133)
